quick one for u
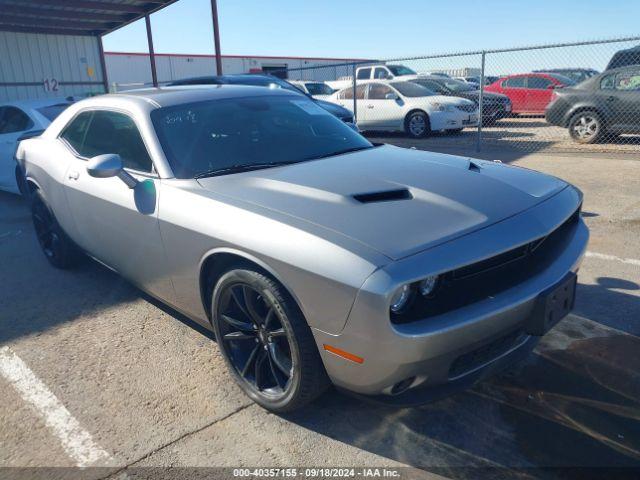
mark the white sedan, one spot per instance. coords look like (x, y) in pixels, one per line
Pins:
(17, 119)
(408, 107)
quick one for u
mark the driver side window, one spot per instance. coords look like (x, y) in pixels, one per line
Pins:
(101, 131)
(380, 73)
(378, 91)
(14, 120)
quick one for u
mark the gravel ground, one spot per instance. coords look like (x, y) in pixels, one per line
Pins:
(152, 391)
(528, 135)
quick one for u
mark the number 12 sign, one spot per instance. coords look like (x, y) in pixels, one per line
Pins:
(50, 85)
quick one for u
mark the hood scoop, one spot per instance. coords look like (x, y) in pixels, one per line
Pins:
(474, 167)
(383, 196)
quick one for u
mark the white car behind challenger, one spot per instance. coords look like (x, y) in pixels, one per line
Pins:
(18, 119)
(408, 107)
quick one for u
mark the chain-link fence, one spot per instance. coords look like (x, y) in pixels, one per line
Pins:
(565, 97)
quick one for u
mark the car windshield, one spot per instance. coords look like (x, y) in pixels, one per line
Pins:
(221, 136)
(457, 86)
(51, 112)
(410, 89)
(319, 89)
(400, 70)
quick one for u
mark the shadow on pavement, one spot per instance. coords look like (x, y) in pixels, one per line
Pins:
(577, 407)
(607, 305)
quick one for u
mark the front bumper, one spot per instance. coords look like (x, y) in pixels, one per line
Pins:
(495, 110)
(432, 351)
(453, 120)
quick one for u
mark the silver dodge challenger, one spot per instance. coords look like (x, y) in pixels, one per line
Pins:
(315, 256)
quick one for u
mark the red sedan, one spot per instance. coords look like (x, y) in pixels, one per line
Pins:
(529, 92)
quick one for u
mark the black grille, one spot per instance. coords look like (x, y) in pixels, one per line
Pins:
(481, 280)
(480, 356)
(467, 108)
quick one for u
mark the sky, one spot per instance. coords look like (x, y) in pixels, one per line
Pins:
(377, 29)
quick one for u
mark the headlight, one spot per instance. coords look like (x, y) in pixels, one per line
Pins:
(440, 107)
(400, 298)
(428, 285)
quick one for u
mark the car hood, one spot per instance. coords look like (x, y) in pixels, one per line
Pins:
(437, 197)
(334, 109)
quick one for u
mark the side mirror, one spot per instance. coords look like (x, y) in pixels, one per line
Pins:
(391, 96)
(390, 77)
(110, 165)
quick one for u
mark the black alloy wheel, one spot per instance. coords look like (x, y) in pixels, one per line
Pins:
(57, 247)
(255, 339)
(265, 341)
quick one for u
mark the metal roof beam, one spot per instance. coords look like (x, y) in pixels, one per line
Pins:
(68, 14)
(52, 31)
(91, 5)
(47, 22)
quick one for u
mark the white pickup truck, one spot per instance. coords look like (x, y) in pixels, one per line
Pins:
(375, 72)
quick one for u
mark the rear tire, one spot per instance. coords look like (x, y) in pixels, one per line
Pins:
(21, 182)
(57, 247)
(586, 127)
(266, 343)
(417, 125)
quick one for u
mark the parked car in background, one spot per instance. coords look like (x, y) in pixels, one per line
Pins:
(408, 107)
(623, 58)
(474, 81)
(600, 107)
(494, 105)
(576, 74)
(530, 93)
(315, 257)
(17, 120)
(263, 80)
(375, 72)
(316, 89)
(438, 74)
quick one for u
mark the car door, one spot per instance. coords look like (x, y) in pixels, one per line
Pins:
(116, 225)
(516, 89)
(624, 100)
(383, 108)
(345, 99)
(13, 124)
(381, 73)
(539, 91)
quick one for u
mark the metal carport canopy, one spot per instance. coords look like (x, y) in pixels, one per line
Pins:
(74, 17)
(91, 18)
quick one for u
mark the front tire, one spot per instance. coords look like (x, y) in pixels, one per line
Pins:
(57, 247)
(417, 125)
(265, 341)
(586, 127)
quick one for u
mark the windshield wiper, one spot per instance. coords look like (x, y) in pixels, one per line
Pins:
(340, 152)
(246, 167)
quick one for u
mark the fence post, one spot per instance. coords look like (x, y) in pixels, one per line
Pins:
(355, 103)
(480, 103)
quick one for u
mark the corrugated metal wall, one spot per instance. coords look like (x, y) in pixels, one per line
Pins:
(35, 65)
(131, 70)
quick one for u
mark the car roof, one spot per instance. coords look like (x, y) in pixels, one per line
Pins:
(37, 102)
(177, 95)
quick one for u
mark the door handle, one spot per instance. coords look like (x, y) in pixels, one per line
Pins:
(369, 106)
(73, 175)
(611, 98)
